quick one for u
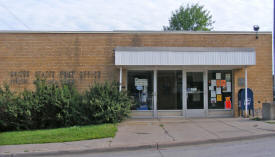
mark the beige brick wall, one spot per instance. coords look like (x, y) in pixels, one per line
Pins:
(85, 58)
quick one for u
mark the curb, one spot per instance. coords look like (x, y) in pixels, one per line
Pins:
(139, 147)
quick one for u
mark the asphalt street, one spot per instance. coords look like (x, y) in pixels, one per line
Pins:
(264, 147)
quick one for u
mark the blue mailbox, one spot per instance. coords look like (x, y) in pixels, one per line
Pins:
(250, 100)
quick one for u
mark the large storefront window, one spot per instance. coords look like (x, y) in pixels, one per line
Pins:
(219, 89)
(140, 87)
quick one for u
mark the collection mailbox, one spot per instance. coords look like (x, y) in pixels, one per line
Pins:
(250, 101)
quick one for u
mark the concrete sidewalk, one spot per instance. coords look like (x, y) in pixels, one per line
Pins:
(154, 133)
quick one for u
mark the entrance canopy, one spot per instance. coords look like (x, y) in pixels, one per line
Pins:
(184, 56)
(186, 86)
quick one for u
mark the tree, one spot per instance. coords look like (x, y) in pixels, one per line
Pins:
(190, 18)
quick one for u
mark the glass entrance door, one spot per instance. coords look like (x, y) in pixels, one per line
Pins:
(194, 91)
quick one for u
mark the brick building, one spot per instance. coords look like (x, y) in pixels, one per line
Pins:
(168, 73)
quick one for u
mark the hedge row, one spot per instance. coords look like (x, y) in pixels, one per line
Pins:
(53, 106)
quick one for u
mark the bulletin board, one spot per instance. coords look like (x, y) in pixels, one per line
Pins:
(219, 89)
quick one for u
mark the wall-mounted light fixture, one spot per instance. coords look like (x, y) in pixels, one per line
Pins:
(256, 29)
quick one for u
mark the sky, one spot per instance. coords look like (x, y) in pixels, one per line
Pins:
(109, 15)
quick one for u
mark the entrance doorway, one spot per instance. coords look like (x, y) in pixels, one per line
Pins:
(194, 90)
(195, 100)
(169, 90)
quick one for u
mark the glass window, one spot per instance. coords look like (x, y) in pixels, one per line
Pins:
(219, 89)
(140, 87)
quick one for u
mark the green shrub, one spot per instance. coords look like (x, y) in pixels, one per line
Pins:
(106, 103)
(8, 110)
(53, 106)
(15, 114)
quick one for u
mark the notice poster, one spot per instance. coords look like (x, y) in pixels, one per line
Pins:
(218, 82)
(213, 100)
(219, 97)
(193, 89)
(218, 90)
(211, 87)
(228, 89)
(213, 94)
(213, 83)
(224, 89)
(227, 77)
(141, 82)
(218, 76)
(223, 83)
(228, 86)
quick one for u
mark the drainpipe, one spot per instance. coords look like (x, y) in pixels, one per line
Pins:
(155, 114)
(246, 109)
(120, 78)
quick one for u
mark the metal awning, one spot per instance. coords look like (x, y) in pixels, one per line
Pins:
(181, 56)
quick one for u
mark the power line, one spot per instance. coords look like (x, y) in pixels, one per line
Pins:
(20, 21)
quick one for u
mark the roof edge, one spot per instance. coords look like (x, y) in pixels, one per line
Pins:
(186, 49)
(132, 32)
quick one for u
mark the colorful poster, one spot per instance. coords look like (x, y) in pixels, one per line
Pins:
(218, 76)
(213, 100)
(227, 77)
(213, 83)
(213, 94)
(227, 98)
(218, 90)
(218, 82)
(223, 83)
(227, 103)
(219, 97)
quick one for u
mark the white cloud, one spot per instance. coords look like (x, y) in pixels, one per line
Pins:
(99, 15)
